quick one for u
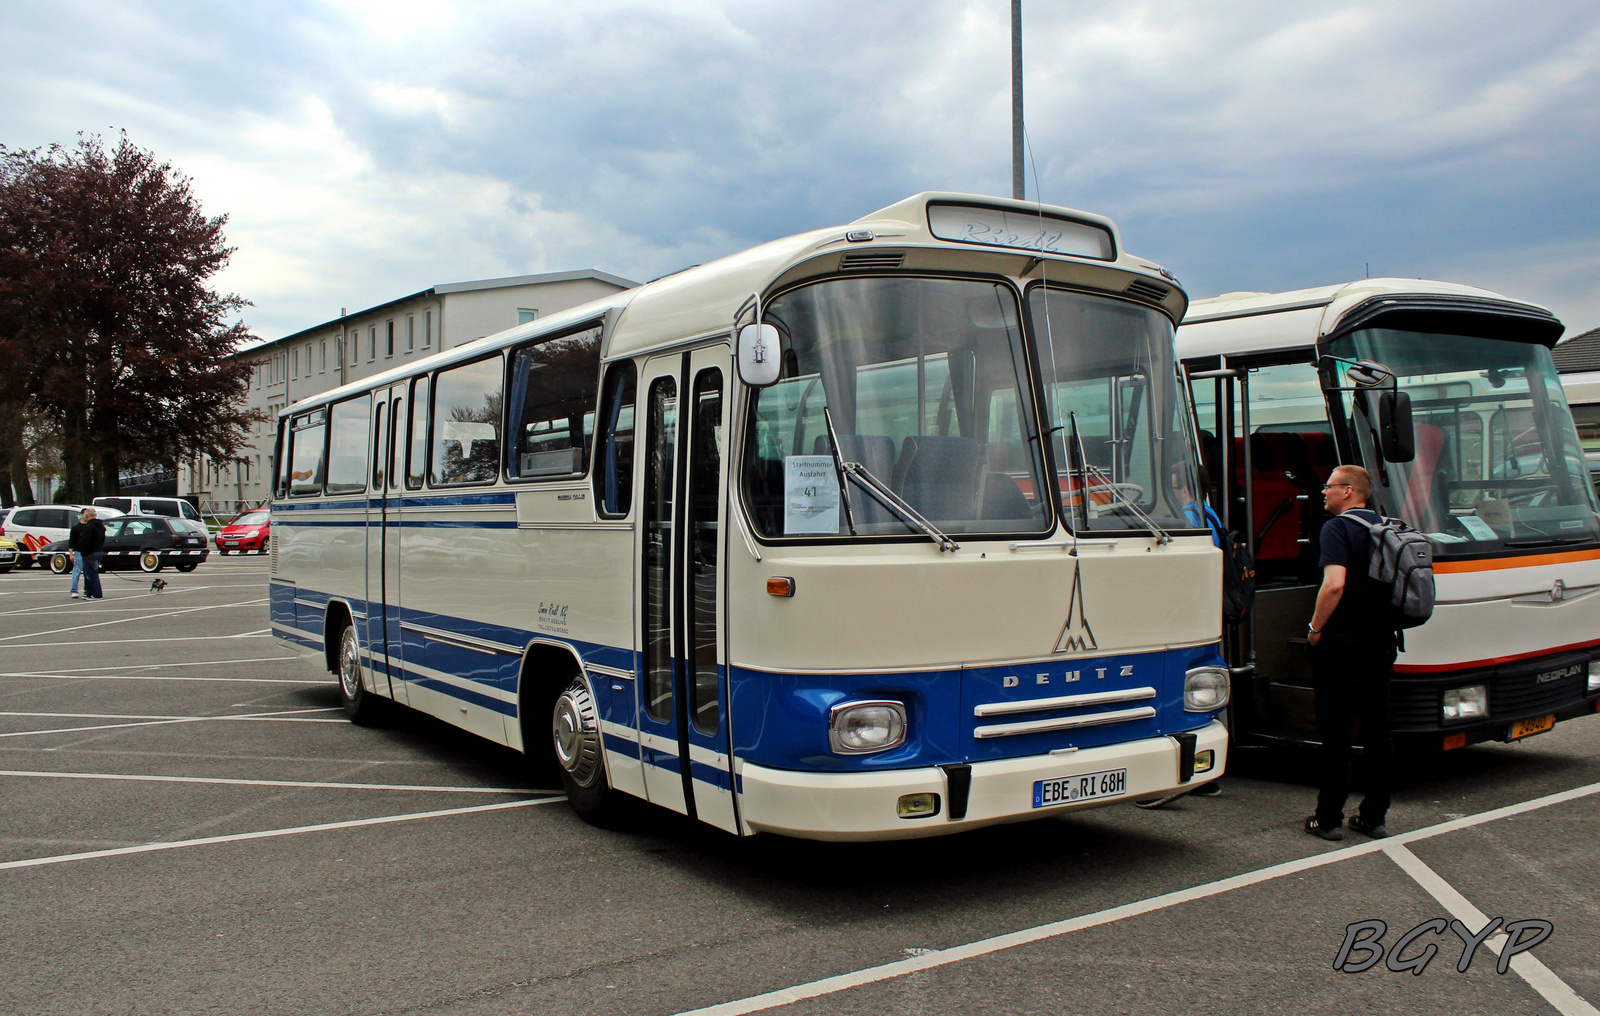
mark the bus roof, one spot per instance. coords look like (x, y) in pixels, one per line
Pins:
(702, 301)
(1242, 323)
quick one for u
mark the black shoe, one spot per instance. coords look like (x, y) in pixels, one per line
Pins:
(1211, 789)
(1376, 830)
(1316, 828)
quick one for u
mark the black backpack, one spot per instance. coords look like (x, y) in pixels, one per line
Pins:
(1238, 571)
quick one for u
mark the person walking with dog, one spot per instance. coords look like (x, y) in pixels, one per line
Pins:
(87, 539)
(1353, 649)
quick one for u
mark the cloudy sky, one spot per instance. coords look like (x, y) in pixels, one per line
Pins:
(364, 150)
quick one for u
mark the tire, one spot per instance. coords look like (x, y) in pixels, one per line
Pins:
(580, 758)
(60, 564)
(24, 561)
(150, 561)
(360, 705)
(187, 566)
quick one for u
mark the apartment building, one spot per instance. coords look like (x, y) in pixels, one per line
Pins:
(353, 346)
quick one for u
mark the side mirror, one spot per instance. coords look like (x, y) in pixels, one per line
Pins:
(760, 355)
(1395, 435)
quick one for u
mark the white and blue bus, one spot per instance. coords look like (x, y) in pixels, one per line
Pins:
(767, 542)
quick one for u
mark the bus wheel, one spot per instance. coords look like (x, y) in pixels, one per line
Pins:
(359, 704)
(575, 732)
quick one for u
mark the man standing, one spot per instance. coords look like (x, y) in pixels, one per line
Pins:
(77, 555)
(1352, 660)
(88, 537)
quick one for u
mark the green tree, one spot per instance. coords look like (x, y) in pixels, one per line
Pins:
(107, 314)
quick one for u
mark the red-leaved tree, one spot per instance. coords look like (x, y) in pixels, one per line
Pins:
(108, 327)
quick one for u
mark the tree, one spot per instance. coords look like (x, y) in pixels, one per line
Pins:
(105, 308)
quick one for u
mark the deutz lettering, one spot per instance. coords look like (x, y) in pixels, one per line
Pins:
(1068, 677)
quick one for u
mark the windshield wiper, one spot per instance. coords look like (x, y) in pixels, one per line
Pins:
(881, 493)
(1554, 541)
(1095, 472)
(838, 468)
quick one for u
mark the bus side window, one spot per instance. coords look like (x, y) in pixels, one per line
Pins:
(467, 404)
(613, 474)
(308, 453)
(553, 388)
(280, 460)
(418, 458)
(347, 447)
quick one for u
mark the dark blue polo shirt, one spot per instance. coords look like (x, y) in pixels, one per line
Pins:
(1362, 616)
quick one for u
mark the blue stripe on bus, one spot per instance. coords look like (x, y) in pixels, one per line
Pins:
(407, 523)
(508, 499)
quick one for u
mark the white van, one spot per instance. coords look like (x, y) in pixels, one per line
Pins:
(33, 526)
(171, 507)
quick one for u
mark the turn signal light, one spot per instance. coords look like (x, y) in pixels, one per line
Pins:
(780, 585)
(1455, 741)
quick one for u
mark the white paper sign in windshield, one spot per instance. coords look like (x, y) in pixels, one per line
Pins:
(1000, 227)
(810, 495)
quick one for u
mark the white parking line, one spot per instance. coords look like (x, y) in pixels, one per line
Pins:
(263, 633)
(146, 848)
(308, 784)
(134, 716)
(125, 620)
(168, 677)
(151, 666)
(983, 947)
(280, 716)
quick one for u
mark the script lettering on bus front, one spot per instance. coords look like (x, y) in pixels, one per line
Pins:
(1047, 240)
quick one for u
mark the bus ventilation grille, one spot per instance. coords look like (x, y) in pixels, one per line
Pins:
(866, 260)
(1147, 290)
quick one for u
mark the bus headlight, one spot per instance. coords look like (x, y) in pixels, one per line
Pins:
(856, 728)
(1205, 689)
(1594, 677)
(1467, 703)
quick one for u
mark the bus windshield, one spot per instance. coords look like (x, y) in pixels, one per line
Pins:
(920, 378)
(1498, 462)
(1117, 414)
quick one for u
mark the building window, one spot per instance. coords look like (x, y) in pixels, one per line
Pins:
(308, 359)
(389, 337)
(411, 332)
(427, 329)
(526, 314)
(355, 347)
(372, 343)
(322, 361)
(296, 370)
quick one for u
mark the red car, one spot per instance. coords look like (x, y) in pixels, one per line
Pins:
(248, 533)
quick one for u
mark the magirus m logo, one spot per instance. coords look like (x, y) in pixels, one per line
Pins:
(1076, 635)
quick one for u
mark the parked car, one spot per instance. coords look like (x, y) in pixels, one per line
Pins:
(250, 531)
(8, 554)
(139, 504)
(146, 542)
(32, 527)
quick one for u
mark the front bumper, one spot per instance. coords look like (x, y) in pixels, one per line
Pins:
(861, 806)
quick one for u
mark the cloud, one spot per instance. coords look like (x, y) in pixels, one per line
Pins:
(364, 150)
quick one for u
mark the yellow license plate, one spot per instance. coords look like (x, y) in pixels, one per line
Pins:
(1527, 728)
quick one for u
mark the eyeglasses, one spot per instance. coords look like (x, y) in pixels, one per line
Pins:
(1325, 486)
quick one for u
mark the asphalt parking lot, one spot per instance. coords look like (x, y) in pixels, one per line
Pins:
(191, 826)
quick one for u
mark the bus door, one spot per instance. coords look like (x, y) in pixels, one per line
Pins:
(378, 547)
(1268, 447)
(394, 468)
(683, 717)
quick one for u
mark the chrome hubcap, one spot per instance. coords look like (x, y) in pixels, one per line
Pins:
(576, 732)
(349, 665)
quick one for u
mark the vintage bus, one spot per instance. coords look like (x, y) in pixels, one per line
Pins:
(768, 543)
(1489, 466)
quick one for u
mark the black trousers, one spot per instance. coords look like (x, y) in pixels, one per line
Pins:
(1352, 683)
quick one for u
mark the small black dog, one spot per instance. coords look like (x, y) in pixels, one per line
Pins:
(157, 585)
